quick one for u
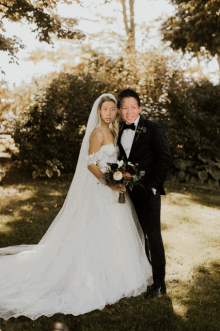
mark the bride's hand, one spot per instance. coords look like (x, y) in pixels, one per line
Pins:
(120, 188)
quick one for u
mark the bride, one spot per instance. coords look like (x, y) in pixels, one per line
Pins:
(93, 253)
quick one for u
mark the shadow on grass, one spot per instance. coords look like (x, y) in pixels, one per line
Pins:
(203, 301)
(200, 297)
(28, 212)
(139, 313)
(135, 313)
(209, 198)
(165, 226)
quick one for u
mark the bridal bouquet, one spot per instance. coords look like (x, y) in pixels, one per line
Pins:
(124, 173)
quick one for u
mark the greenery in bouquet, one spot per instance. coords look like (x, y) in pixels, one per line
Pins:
(124, 173)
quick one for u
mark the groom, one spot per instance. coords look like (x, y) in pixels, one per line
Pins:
(144, 142)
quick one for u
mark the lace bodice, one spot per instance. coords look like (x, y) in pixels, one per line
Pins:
(107, 153)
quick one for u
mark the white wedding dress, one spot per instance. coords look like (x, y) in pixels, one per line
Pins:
(93, 254)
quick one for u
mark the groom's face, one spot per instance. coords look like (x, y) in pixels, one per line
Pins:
(130, 110)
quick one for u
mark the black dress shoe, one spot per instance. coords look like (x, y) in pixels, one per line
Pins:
(157, 291)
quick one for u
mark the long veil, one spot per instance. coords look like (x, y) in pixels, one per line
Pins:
(78, 185)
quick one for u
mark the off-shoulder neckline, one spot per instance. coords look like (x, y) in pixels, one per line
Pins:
(107, 145)
(102, 147)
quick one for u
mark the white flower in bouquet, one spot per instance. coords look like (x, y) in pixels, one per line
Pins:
(120, 163)
(117, 175)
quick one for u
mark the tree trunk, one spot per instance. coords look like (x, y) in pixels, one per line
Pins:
(129, 26)
(125, 16)
(218, 58)
(132, 26)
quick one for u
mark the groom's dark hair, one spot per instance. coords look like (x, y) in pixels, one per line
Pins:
(126, 94)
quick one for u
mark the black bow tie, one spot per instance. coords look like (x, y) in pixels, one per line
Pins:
(129, 126)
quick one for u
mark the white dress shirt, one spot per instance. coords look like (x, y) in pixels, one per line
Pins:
(127, 137)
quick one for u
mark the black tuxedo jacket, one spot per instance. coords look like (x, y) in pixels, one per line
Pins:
(151, 151)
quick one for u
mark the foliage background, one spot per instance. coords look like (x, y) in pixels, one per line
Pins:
(52, 111)
(53, 126)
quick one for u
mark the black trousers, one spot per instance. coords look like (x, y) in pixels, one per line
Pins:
(148, 211)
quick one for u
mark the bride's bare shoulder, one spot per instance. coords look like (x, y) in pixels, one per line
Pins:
(95, 141)
(96, 135)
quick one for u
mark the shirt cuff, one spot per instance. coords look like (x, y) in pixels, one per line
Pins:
(154, 190)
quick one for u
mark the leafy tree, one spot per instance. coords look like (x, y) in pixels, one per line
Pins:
(195, 27)
(128, 13)
(37, 12)
(4, 95)
(192, 116)
(53, 126)
(126, 42)
(189, 110)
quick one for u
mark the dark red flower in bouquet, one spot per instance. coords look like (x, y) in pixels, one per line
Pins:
(126, 175)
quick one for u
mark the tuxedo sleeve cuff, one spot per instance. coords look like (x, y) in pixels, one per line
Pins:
(154, 184)
(154, 190)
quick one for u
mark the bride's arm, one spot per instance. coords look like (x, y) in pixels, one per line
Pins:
(95, 143)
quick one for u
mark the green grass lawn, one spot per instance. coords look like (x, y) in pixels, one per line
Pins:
(191, 233)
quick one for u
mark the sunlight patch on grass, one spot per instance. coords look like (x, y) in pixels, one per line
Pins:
(190, 229)
(5, 220)
(11, 196)
(191, 238)
(179, 199)
(180, 310)
(4, 228)
(55, 193)
(26, 208)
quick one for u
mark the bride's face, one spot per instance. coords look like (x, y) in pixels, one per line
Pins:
(108, 112)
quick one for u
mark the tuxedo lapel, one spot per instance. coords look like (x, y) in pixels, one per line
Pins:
(122, 151)
(135, 141)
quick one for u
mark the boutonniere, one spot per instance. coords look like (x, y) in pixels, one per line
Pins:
(141, 130)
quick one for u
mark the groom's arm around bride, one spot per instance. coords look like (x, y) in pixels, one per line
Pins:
(144, 142)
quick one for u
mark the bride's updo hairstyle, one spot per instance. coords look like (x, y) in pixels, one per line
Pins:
(114, 126)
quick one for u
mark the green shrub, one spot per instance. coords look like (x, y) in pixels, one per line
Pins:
(192, 117)
(52, 127)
